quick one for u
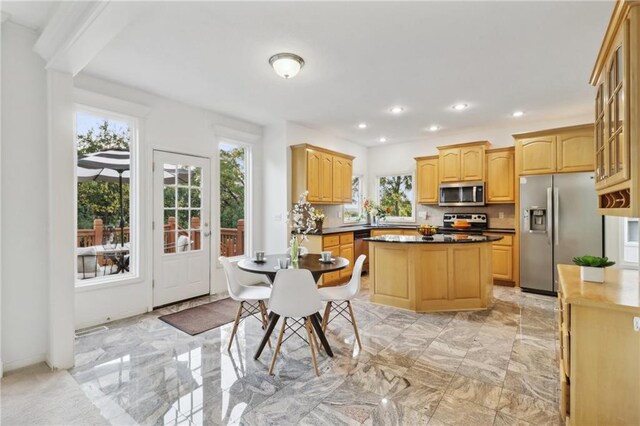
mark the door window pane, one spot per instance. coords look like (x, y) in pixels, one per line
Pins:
(233, 158)
(181, 220)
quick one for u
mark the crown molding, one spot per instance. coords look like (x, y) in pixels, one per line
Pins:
(78, 31)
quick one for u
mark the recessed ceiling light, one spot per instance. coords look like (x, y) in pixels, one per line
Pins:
(382, 139)
(518, 113)
(434, 128)
(460, 107)
(396, 109)
(362, 126)
(286, 65)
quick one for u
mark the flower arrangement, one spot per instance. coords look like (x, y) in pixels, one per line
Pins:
(374, 209)
(318, 216)
(302, 218)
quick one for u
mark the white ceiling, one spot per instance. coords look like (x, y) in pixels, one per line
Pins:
(32, 15)
(364, 57)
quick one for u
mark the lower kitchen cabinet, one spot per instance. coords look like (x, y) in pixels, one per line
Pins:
(502, 256)
(599, 348)
(341, 245)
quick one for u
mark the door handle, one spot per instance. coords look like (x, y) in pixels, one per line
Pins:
(556, 215)
(207, 233)
(548, 216)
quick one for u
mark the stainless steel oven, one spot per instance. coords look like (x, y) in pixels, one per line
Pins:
(462, 194)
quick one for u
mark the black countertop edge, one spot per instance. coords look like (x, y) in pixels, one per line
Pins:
(353, 228)
(436, 239)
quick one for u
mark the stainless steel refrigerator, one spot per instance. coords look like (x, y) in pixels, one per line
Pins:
(558, 221)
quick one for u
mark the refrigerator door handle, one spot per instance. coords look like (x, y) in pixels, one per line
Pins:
(549, 209)
(556, 215)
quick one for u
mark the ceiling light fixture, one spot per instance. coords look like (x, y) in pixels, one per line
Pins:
(396, 109)
(362, 126)
(382, 139)
(460, 107)
(286, 65)
(434, 128)
(518, 113)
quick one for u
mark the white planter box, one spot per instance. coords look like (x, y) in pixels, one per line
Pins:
(595, 275)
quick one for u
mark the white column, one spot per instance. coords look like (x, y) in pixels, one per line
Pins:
(62, 215)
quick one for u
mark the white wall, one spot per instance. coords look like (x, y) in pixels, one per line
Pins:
(25, 208)
(176, 127)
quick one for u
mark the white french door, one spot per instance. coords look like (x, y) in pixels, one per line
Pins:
(181, 234)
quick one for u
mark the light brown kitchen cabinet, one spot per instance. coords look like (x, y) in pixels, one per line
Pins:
(563, 150)
(427, 179)
(501, 175)
(341, 244)
(325, 174)
(503, 257)
(599, 348)
(462, 162)
(616, 77)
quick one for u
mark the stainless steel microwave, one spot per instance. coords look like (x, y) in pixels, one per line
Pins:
(462, 194)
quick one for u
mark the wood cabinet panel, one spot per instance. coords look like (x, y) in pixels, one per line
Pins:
(575, 151)
(338, 178)
(314, 160)
(537, 155)
(392, 280)
(472, 163)
(501, 176)
(346, 251)
(502, 261)
(427, 179)
(466, 281)
(449, 165)
(347, 178)
(326, 177)
(433, 275)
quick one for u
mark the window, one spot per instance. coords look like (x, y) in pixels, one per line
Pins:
(234, 160)
(182, 208)
(106, 176)
(396, 197)
(630, 240)
(353, 212)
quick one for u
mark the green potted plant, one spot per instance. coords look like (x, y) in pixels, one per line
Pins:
(592, 267)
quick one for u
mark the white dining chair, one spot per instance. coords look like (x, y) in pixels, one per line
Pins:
(338, 299)
(295, 296)
(251, 297)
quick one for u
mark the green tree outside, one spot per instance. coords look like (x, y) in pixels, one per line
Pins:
(394, 195)
(232, 184)
(100, 200)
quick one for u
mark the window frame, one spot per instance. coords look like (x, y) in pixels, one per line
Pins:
(134, 275)
(398, 219)
(626, 245)
(248, 197)
(361, 217)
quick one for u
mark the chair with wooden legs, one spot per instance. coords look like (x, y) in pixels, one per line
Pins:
(251, 297)
(338, 299)
(295, 297)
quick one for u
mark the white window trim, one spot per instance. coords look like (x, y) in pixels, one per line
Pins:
(248, 198)
(395, 219)
(134, 275)
(361, 218)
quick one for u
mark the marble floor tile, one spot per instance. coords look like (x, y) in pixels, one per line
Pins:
(456, 411)
(452, 368)
(481, 393)
(527, 408)
(389, 413)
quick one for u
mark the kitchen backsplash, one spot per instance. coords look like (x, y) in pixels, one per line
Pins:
(435, 214)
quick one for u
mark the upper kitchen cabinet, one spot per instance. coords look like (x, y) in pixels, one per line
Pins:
(427, 179)
(616, 77)
(501, 175)
(462, 162)
(564, 150)
(325, 174)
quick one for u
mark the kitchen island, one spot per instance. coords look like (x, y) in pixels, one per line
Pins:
(429, 274)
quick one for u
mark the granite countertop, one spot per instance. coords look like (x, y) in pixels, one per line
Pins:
(436, 239)
(363, 227)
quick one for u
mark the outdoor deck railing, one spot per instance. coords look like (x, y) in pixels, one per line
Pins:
(231, 239)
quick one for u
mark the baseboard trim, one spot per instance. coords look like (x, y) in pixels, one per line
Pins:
(24, 362)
